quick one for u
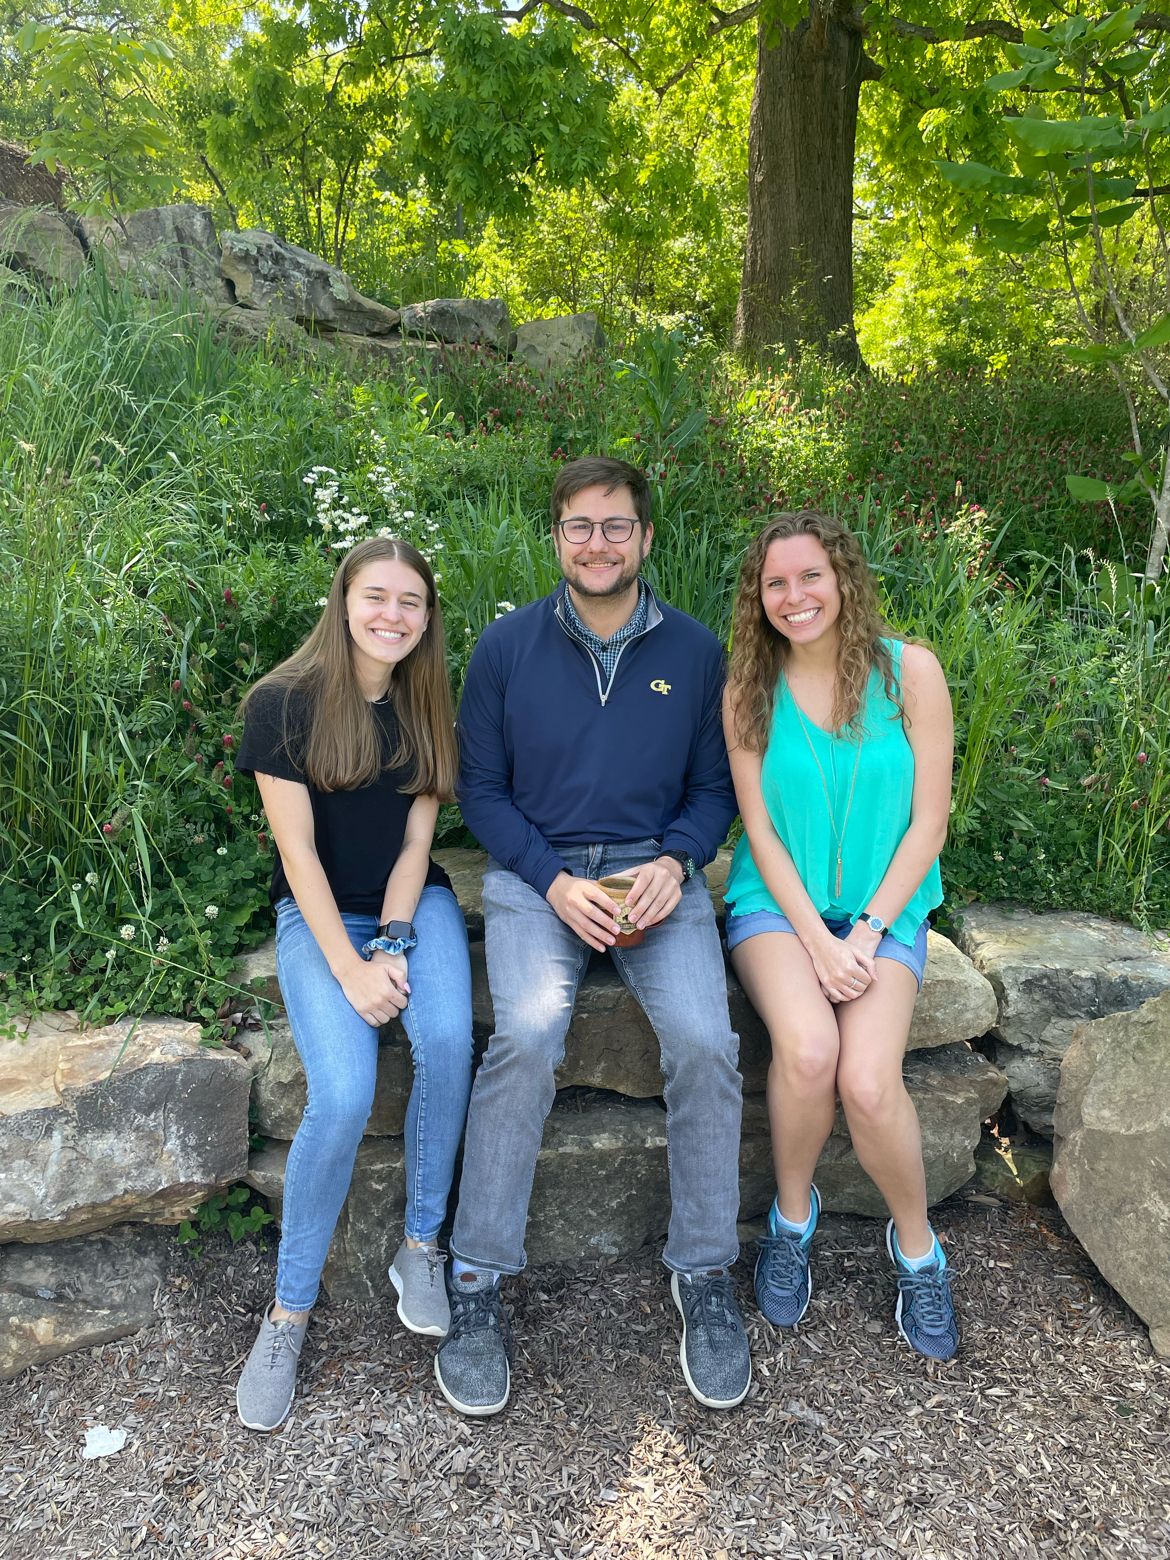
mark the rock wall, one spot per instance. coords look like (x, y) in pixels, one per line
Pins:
(601, 1183)
(106, 1133)
(254, 284)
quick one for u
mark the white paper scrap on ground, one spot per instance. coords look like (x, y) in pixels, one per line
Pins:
(101, 1441)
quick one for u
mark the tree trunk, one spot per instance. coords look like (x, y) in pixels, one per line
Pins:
(797, 287)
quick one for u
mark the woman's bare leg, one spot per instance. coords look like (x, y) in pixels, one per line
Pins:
(882, 1120)
(778, 977)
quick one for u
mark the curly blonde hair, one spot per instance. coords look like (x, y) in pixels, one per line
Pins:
(758, 652)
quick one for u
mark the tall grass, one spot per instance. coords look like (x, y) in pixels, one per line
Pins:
(160, 547)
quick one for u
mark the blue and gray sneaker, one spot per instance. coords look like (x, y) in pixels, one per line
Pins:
(716, 1361)
(473, 1363)
(783, 1280)
(925, 1312)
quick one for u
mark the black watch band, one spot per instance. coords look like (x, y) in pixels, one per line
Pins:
(685, 861)
(398, 931)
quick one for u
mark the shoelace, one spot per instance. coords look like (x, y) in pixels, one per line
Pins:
(713, 1304)
(282, 1336)
(930, 1293)
(784, 1269)
(475, 1311)
(435, 1259)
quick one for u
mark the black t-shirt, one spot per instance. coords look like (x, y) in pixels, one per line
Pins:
(358, 834)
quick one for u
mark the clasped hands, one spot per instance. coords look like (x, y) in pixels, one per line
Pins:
(377, 988)
(846, 967)
(585, 907)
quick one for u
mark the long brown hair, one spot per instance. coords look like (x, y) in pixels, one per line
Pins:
(343, 748)
(758, 652)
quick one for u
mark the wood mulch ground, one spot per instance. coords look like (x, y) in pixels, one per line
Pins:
(1049, 1435)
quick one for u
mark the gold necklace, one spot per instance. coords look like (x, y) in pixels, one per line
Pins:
(838, 834)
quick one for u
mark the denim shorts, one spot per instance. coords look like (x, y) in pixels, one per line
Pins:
(740, 927)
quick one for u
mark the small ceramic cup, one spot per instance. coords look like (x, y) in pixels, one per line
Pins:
(617, 888)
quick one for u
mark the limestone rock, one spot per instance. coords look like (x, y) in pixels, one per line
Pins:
(716, 874)
(1111, 1171)
(465, 868)
(131, 1122)
(161, 247)
(267, 273)
(371, 1223)
(28, 184)
(39, 246)
(954, 1091)
(1051, 972)
(547, 345)
(1014, 1169)
(279, 1090)
(255, 971)
(75, 1294)
(956, 1002)
(601, 1188)
(602, 1185)
(466, 320)
(251, 327)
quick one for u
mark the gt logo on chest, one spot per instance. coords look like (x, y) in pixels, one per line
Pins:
(660, 685)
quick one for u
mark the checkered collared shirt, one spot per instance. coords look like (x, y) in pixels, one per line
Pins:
(608, 650)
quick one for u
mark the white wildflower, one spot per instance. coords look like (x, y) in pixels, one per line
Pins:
(211, 911)
(323, 601)
(91, 878)
(505, 606)
(221, 850)
(163, 944)
(75, 888)
(126, 933)
(111, 955)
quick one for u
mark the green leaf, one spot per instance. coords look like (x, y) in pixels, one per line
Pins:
(978, 176)
(1130, 64)
(1088, 489)
(1007, 79)
(1098, 352)
(1112, 216)
(1068, 135)
(1156, 335)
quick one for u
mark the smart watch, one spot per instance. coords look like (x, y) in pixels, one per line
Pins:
(391, 937)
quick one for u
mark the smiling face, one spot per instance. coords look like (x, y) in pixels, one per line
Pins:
(598, 568)
(387, 614)
(799, 591)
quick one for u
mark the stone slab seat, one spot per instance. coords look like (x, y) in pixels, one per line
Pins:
(610, 1044)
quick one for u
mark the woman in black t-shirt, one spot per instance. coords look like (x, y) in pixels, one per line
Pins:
(352, 744)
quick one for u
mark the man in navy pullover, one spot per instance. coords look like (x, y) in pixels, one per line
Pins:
(591, 744)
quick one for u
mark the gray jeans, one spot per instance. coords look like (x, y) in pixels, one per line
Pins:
(535, 964)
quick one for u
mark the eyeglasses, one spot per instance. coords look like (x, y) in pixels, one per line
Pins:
(617, 529)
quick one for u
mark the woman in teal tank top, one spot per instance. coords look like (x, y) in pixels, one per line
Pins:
(841, 740)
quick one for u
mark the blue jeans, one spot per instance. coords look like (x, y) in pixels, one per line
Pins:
(535, 963)
(339, 1052)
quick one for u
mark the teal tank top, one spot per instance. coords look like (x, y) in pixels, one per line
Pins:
(795, 798)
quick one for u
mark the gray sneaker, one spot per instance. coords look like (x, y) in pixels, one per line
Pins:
(417, 1274)
(716, 1361)
(473, 1363)
(264, 1393)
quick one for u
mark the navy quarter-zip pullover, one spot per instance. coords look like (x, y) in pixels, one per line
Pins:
(555, 754)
